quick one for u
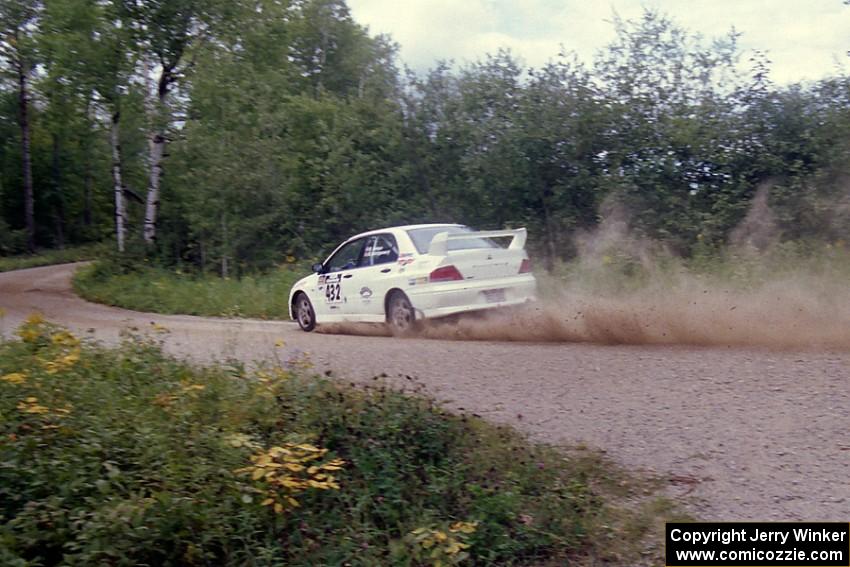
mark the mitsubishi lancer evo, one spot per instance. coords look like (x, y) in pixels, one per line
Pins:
(404, 274)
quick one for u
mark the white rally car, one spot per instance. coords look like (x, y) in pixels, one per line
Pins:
(401, 274)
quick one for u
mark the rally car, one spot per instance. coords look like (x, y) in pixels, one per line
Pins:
(403, 274)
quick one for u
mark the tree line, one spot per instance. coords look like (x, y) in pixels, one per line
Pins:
(231, 134)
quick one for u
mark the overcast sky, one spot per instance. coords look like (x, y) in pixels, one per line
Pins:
(805, 40)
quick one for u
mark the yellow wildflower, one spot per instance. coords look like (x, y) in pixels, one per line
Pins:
(455, 547)
(28, 334)
(32, 328)
(31, 405)
(71, 358)
(437, 547)
(284, 471)
(63, 362)
(35, 319)
(270, 379)
(64, 338)
(464, 527)
(15, 378)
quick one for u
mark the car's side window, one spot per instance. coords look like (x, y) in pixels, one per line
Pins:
(381, 249)
(346, 257)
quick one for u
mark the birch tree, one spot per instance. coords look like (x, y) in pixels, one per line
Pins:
(165, 32)
(110, 67)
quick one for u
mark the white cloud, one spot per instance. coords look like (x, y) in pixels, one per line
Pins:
(803, 39)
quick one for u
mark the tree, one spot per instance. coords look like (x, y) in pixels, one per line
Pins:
(66, 28)
(672, 101)
(19, 21)
(335, 54)
(92, 52)
(560, 135)
(165, 33)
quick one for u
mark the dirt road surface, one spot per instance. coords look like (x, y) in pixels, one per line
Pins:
(750, 434)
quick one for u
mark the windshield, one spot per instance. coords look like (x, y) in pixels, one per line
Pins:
(422, 238)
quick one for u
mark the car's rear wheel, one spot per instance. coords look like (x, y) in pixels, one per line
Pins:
(401, 317)
(304, 313)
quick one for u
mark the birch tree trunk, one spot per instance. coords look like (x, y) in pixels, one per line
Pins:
(29, 201)
(156, 146)
(117, 182)
(157, 149)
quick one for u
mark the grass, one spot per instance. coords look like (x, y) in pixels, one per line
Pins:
(50, 257)
(125, 456)
(620, 269)
(627, 267)
(159, 290)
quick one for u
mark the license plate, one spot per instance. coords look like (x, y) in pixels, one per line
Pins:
(494, 295)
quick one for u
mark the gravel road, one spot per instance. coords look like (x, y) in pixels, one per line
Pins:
(750, 434)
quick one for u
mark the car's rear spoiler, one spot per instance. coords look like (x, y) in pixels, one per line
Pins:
(440, 242)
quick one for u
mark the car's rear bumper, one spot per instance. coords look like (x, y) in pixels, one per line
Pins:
(442, 299)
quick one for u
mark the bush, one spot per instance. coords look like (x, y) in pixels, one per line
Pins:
(49, 257)
(125, 456)
(159, 290)
(623, 270)
(11, 241)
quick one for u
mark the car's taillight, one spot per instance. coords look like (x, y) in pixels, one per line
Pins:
(525, 267)
(445, 274)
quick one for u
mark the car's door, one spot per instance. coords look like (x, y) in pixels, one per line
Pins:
(337, 283)
(377, 275)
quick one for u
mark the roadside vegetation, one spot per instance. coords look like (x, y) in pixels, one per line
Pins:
(618, 268)
(626, 265)
(279, 132)
(49, 257)
(126, 456)
(163, 290)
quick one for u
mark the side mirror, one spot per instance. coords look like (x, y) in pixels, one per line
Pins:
(318, 268)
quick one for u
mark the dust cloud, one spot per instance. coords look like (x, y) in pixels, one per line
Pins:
(627, 290)
(782, 315)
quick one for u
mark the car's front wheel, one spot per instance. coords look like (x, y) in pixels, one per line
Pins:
(401, 318)
(304, 313)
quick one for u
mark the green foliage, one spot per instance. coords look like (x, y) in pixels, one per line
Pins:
(293, 129)
(49, 257)
(318, 131)
(126, 456)
(134, 285)
(825, 262)
(11, 241)
(624, 267)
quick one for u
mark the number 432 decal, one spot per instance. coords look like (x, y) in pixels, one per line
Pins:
(332, 293)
